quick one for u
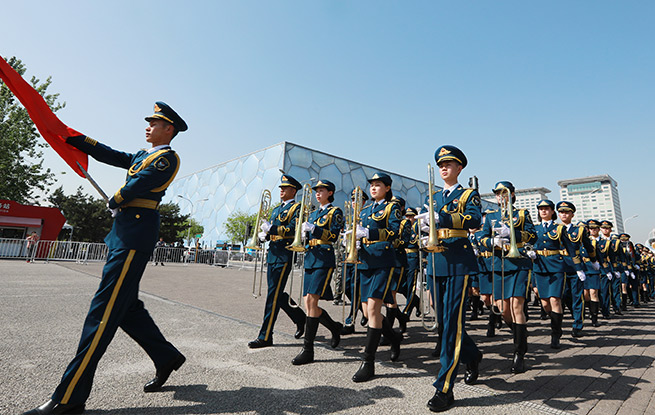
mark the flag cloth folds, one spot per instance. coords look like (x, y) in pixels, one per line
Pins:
(51, 128)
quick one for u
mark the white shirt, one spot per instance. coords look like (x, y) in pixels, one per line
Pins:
(157, 148)
(450, 189)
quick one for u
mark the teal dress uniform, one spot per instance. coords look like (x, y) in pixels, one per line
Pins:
(319, 258)
(457, 211)
(485, 259)
(630, 261)
(131, 242)
(413, 267)
(279, 260)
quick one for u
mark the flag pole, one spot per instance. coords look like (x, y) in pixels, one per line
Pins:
(93, 182)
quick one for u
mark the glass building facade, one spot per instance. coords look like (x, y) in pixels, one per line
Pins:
(211, 195)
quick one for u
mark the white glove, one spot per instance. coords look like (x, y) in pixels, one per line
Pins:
(361, 232)
(632, 275)
(502, 231)
(617, 274)
(637, 267)
(423, 217)
(627, 273)
(476, 251)
(114, 212)
(609, 276)
(500, 242)
(424, 240)
(265, 226)
(595, 265)
(344, 238)
(425, 227)
(358, 244)
(308, 227)
(581, 275)
(532, 255)
(262, 236)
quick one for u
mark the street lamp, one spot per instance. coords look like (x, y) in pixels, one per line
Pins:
(188, 234)
(626, 221)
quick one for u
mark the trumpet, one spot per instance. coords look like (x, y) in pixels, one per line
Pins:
(354, 220)
(264, 205)
(353, 209)
(426, 306)
(433, 244)
(509, 209)
(298, 244)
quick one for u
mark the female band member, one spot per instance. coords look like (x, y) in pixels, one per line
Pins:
(322, 227)
(380, 222)
(548, 266)
(511, 288)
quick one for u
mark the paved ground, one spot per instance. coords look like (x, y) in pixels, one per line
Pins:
(210, 315)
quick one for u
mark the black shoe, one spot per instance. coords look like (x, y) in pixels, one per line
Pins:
(52, 407)
(305, 356)
(618, 312)
(336, 335)
(346, 330)
(473, 370)
(300, 329)
(402, 321)
(418, 313)
(259, 343)
(441, 401)
(576, 333)
(162, 374)
(395, 346)
(162, 264)
(554, 342)
(518, 365)
(363, 321)
(365, 372)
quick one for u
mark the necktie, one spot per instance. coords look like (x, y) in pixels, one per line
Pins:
(446, 193)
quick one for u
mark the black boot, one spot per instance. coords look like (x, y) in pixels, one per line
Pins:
(394, 338)
(491, 325)
(526, 312)
(520, 347)
(585, 306)
(367, 369)
(391, 318)
(474, 307)
(544, 313)
(51, 407)
(556, 329)
(437, 348)
(593, 310)
(402, 320)
(333, 326)
(307, 353)
(624, 302)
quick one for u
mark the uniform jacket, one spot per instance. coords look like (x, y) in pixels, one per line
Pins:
(524, 232)
(136, 225)
(459, 211)
(584, 251)
(402, 242)
(327, 223)
(484, 257)
(553, 238)
(283, 227)
(383, 223)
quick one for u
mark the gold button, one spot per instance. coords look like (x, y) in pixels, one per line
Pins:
(138, 216)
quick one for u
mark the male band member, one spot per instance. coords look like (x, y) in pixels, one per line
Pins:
(606, 275)
(632, 283)
(456, 210)
(595, 274)
(575, 278)
(131, 242)
(400, 269)
(280, 231)
(413, 265)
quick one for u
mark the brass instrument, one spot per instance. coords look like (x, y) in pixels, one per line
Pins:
(433, 244)
(509, 209)
(353, 209)
(254, 244)
(426, 306)
(298, 244)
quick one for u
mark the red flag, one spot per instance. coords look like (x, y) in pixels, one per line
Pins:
(51, 128)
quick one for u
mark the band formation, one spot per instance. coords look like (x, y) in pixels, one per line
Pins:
(447, 258)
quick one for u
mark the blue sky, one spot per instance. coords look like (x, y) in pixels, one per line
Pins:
(532, 92)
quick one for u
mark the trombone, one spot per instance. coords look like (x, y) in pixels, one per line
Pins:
(353, 209)
(298, 244)
(506, 208)
(254, 244)
(432, 245)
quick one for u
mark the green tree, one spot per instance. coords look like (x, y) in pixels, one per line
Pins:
(173, 224)
(191, 228)
(237, 226)
(22, 174)
(90, 218)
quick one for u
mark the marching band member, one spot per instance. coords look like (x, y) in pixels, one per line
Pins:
(352, 292)
(632, 283)
(280, 231)
(413, 265)
(606, 275)
(593, 270)
(456, 210)
(575, 276)
(474, 289)
(511, 288)
(400, 269)
(323, 228)
(380, 222)
(485, 280)
(548, 266)
(613, 246)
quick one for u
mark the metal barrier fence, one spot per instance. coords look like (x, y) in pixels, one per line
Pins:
(83, 252)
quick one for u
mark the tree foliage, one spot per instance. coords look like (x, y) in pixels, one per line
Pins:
(90, 218)
(22, 174)
(237, 226)
(173, 224)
